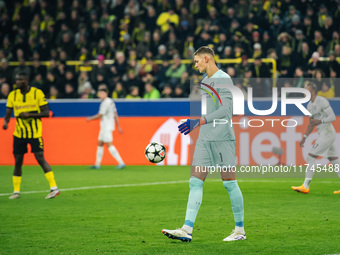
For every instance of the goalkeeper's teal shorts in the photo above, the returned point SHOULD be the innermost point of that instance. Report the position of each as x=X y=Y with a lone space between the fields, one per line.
x=214 y=153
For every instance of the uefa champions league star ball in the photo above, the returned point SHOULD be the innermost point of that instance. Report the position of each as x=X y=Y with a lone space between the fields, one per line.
x=155 y=152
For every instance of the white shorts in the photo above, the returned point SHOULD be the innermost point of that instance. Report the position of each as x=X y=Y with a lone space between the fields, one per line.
x=105 y=135
x=325 y=146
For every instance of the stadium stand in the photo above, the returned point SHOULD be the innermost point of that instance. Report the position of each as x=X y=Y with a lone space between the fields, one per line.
x=69 y=47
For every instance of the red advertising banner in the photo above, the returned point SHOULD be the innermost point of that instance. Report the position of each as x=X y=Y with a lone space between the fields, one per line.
x=73 y=141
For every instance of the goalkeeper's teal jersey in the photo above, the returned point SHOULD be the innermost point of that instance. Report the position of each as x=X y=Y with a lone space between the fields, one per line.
x=214 y=110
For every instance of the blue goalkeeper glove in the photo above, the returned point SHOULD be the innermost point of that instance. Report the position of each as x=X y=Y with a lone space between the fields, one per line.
x=186 y=127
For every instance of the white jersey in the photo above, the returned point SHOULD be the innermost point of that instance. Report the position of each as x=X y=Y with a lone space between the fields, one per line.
x=107 y=109
x=317 y=109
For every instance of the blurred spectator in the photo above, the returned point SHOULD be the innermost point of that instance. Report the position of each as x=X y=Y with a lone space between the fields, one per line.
x=143 y=45
x=299 y=77
x=260 y=84
x=315 y=64
x=337 y=50
x=148 y=67
x=100 y=78
x=5 y=72
x=4 y=90
x=53 y=93
x=333 y=64
x=180 y=92
x=167 y=91
x=119 y=91
x=175 y=71
x=83 y=80
x=334 y=41
x=242 y=67
x=132 y=80
x=52 y=80
x=70 y=91
x=151 y=18
x=173 y=45
x=257 y=50
x=38 y=82
x=326 y=90
x=276 y=27
x=88 y=91
x=70 y=79
x=21 y=68
x=286 y=60
x=134 y=93
x=119 y=67
x=303 y=57
x=161 y=78
x=162 y=53
x=297 y=41
x=167 y=18
x=100 y=68
x=318 y=40
x=150 y=92
x=38 y=69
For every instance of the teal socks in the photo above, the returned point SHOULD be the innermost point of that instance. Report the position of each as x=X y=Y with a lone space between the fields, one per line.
x=194 y=202
x=236 y=199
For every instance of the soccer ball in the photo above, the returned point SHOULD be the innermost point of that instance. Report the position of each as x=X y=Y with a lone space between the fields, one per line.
x=155 y=152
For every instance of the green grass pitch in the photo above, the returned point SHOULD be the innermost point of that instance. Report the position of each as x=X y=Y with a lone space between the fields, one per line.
x=109 y=217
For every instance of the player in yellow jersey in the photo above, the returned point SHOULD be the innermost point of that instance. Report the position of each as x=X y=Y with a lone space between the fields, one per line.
x=29 y=105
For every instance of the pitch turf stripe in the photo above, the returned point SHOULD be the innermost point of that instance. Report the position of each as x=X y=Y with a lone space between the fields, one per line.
x=147 y=184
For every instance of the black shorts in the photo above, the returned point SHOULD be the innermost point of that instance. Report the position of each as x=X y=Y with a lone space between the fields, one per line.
x=20 y=145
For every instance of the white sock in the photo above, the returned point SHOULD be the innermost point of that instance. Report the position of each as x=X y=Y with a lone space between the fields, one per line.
x=100 y=152
x=115 y=154
x=336 y=166
x=240 y=229
x=187 y=229
x=309 y=171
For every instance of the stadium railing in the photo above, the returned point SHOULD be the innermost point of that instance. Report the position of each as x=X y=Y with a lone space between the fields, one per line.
x=78 y=64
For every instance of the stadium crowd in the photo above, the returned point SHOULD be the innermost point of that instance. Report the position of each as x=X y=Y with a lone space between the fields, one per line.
x=136 y=33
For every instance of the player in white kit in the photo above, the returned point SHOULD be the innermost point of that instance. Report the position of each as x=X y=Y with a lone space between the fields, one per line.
x=108 y=116
x=322 y=117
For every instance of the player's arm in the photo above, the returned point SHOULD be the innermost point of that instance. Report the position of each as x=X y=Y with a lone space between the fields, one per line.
x=117 y=122
x=44 y=112
x=94 y=117
x=221 y=113
x=330 y=115
x=7 y=117
x=309 y=130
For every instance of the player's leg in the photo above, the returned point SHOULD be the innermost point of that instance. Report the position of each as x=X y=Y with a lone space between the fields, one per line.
x=38 y=150
x=17 y=175
x=320 y=147
x=196 y=182
x=99 y=153
x=224 y=156
x=332 y=156
x=19 y=150
x=115 y=154
x=198 y=174
x=310 y=169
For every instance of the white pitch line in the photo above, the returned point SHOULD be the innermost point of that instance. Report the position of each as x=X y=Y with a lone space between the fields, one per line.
x=101 y=187
x=146 y=184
